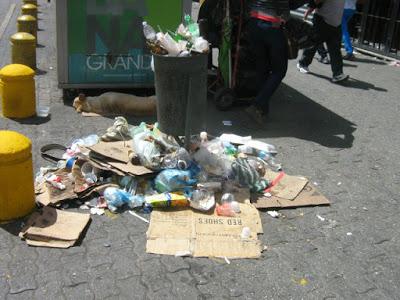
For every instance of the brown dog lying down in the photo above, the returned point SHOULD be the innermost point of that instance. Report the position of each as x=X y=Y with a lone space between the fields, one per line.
x=112 y=104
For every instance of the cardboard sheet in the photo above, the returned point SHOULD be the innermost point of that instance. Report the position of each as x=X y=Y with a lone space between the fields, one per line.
x=119 y=151
x=287 y=187
x=55 y=228
x=309 y=196
x=187 y=232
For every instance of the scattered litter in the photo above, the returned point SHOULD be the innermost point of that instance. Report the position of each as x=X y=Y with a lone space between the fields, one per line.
x=139 y=217
x=227 y=260
x=273 y=213
x=198 y=199
x=97 y=211
x=315 y=183
x=339 y=183
x=365 y=208
x=106 y=245
x=349 y=233
x=331 y=224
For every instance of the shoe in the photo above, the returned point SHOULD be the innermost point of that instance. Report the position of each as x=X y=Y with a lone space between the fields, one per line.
x=303 y=69
x=349 y=56
x=324 y=60
x=256 y=114
x=340 y=78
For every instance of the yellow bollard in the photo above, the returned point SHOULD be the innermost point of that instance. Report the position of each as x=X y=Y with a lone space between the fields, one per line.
x=23 y=49
x=34 y=2
x=17 y=194
x=29 y=9
x=27 y=23
x=17 y=91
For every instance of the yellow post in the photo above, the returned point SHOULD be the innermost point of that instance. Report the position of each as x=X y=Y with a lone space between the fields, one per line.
x=17 y=91
x=17 y=194
x=29 y=9
x=23 y=49
x=34 y=2
x=27 y=23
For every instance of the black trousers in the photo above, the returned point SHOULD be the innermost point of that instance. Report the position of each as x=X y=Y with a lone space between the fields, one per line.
x=333 y=38
x=269 y=46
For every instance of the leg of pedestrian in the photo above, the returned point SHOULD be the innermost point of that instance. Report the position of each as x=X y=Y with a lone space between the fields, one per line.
x=347 y=15
x=334 y=36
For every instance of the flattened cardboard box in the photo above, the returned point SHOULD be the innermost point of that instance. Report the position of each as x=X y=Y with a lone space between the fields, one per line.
x=187 y=232
x=54 y=228
x=309 y=196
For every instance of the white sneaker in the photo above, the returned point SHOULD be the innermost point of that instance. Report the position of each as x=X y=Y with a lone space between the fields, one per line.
x=302 y=69
x=339 y=78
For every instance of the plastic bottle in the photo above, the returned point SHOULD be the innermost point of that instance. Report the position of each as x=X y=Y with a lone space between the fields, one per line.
x=202 y=200
x=149 y=32
x=180 y=159
x=270 y=160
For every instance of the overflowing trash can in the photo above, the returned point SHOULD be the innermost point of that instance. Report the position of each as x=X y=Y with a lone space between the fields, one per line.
x=181 y=90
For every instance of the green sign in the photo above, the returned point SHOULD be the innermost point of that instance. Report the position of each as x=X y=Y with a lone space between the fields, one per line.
x=106 y=42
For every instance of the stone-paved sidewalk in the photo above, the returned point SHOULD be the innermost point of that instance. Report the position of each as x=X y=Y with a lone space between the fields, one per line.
x=343 y=138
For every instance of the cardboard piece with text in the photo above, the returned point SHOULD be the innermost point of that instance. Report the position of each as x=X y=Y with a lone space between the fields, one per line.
x=190 y=233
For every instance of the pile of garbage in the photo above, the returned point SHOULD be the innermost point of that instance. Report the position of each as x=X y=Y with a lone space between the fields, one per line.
x=185 y=41
x=193 y=194
x=140 y=167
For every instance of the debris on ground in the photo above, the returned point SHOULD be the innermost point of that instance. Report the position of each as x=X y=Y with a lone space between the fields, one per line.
x=202 y=200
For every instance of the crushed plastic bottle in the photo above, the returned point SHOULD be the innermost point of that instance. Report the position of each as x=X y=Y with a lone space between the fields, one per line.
x=202 y=200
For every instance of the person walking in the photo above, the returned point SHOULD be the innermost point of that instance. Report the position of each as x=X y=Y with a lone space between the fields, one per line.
x=327 y=23
x=270 y=49
x=349 y=11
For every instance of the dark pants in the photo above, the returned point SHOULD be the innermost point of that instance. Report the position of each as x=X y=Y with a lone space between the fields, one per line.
x=333 y=37
x=269 y=47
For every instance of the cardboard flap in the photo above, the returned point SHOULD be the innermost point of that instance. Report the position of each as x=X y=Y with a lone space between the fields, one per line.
x=309 y=196
x=286 y=187
x=119 y=151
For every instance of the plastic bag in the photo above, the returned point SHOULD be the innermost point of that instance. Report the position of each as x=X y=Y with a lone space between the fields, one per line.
x=117 y=198
x=172 y=180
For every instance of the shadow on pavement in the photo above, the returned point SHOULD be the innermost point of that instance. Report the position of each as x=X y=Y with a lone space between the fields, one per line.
x=40 y=72
x=292 y=115
x=368 y=61
x=33 y=120
x=353 y=83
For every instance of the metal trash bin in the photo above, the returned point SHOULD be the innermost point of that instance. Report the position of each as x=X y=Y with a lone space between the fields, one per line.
x=181 y=90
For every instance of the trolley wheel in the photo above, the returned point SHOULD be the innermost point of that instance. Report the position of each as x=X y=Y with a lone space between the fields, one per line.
x=224 y=98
